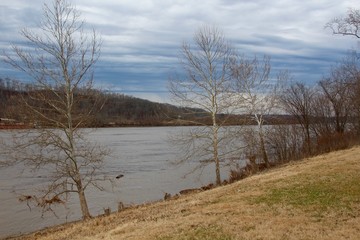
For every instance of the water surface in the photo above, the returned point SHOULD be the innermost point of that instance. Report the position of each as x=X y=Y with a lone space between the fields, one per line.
x=143 y=155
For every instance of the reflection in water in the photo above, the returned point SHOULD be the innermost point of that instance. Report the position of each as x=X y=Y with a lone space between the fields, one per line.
x=142 y=155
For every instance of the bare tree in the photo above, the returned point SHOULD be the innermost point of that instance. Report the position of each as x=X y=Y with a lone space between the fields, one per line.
x=348 y=72
x=336 y=89
x=335 y=107
x=286 y=142
x=349 y=25
x=59 y=59
x=297 y=101
x=257 y=92
x=206 y=85
x=323 y=113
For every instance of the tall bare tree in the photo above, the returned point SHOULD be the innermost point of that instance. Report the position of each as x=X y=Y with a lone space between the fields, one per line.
x=347 y=74
x=257 y=91
x=297 y=101
x=206 y=84
x=59 y=59
x=337 y=89
x=348 y=25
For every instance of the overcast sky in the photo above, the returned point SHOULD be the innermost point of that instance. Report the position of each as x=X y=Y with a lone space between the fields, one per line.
x=142 y=38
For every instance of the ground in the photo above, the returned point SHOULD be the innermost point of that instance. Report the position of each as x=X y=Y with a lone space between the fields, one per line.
x=315 y=198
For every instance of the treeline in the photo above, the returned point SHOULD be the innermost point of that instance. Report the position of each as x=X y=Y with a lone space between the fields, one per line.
x=123 y=110
x=326 y=117
x=8 y=89
x=116 y=110
x=112 y=110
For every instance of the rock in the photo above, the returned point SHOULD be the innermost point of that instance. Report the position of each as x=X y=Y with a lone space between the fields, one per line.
x=119 y=176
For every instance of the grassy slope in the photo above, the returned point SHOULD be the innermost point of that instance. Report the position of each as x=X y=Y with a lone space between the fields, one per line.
x=317 y=198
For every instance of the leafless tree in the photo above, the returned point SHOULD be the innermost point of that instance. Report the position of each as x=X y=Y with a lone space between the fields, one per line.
x=206 y=85
x=59 y=59
x=297 y=100
x=337 y=91
x=285 y=142
x=339 y=101
x=349 y=25
x=323 y=113
x=257 y=92
x=348 y=73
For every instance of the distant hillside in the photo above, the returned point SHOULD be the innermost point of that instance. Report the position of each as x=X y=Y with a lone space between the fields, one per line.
x=123 y=110
x=118 y=109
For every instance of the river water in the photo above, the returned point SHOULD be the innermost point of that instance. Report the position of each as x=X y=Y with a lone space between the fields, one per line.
x=143 y=155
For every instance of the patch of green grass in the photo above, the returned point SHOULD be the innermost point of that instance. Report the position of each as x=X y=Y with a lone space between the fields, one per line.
x=329 y=192
x=211 y=232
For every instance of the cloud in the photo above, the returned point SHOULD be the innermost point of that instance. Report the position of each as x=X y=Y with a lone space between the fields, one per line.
x=142 y=39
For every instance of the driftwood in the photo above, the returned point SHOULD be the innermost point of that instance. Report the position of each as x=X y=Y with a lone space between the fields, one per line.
x=191 y=190
x=42 y=201
x=53 y=200
x=208 y=187
x=119 y=176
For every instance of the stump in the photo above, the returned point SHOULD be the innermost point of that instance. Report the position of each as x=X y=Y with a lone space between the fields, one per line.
x=107 y=211
x=120 y=206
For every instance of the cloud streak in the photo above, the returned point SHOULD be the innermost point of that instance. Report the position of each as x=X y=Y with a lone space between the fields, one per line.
x=142 y=39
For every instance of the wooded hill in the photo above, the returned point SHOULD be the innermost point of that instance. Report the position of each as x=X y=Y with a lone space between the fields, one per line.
x=117 y=110
x=123 y=110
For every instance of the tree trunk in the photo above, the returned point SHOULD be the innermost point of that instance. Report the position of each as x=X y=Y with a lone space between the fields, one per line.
x=260 y=122
x=218 y=177
x=84 y=206
x=216 y=151
x=308 y=140
x=254 y=166
x=263 y=149
x=82 y=199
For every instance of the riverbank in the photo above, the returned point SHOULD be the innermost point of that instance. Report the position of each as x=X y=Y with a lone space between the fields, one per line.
x=14 y=127
x=317 y=198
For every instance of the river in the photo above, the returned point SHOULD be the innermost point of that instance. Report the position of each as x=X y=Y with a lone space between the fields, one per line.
x=143 y=155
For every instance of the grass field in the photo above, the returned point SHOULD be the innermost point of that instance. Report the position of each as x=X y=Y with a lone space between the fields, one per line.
x=316 y=198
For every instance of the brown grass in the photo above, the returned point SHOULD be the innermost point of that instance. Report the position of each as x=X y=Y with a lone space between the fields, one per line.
x=317 y=198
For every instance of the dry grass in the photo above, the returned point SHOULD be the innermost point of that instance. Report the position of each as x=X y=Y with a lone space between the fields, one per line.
x=317 y=198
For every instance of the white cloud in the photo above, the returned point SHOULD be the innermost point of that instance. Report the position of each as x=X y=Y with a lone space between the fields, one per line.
x=144 y=36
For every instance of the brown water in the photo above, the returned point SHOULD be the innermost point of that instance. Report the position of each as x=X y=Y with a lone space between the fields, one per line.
x=142 y=155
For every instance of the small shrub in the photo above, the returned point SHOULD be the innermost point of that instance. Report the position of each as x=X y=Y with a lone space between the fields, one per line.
x=334 y=142
x=239 y=173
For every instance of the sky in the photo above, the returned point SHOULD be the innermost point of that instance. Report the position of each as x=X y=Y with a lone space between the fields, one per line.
x=142 y=39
